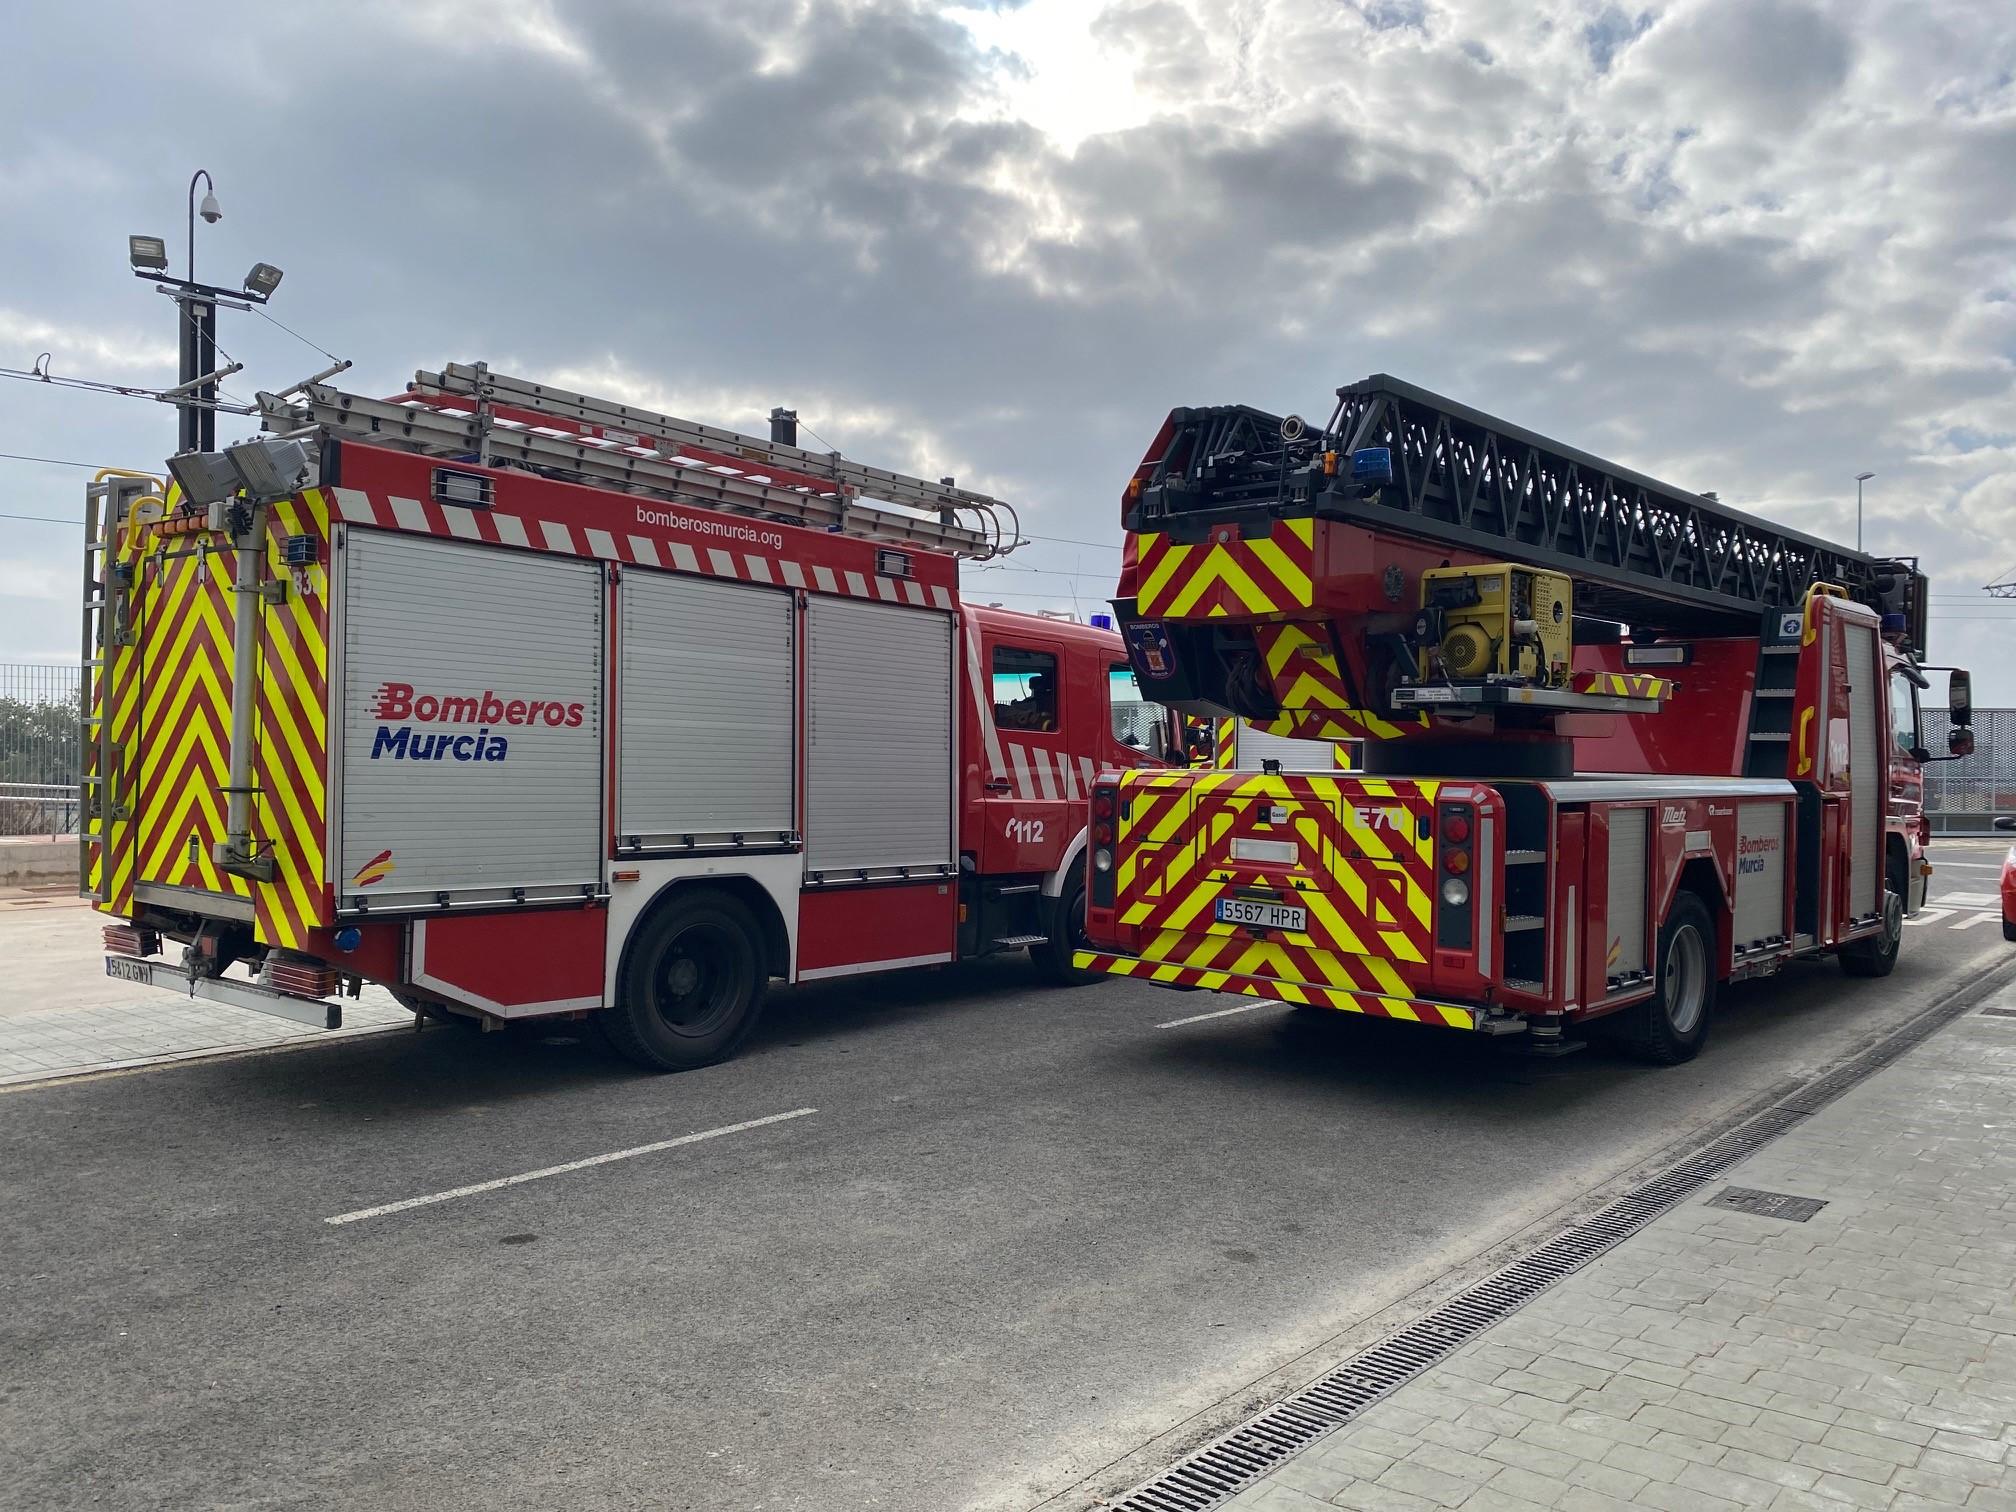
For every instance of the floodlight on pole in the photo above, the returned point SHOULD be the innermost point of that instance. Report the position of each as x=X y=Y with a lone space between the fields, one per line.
x=147 y=254
x=1860 y=479
x=262 y=280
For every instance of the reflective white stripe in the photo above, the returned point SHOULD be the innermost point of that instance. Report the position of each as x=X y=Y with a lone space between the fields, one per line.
x=1046 y=775
x=558 y=537
x=461 y=522
x=857 y=585
x=940 y=598
x=510 y=530
x=885 y=590
x=1024 y=788
x=722 y=563
x=683 y=556
x=914 y=591
x=603 y=544
x=759 y=570
x=983 y=706
x=408 y=513
x=859 y=967
x=823 y=576
x=354 y=504
x=794 y=575
x=644 y=549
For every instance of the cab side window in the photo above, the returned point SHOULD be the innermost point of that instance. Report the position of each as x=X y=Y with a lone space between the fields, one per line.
x=1025 y=689
x=1133 y=716
x=1903 y=713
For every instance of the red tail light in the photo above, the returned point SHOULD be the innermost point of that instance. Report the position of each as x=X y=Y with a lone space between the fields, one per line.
x=1456 y=829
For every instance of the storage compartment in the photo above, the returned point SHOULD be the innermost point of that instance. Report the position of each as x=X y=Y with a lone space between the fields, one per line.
x=1760 y=873
x=471 y=743
x=878 y=742
x=705 y=714
x=1625 y=953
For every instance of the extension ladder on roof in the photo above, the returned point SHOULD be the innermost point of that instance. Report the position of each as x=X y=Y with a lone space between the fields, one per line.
x=465 y=410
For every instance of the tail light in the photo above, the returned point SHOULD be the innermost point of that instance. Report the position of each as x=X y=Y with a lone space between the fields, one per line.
x=1455 y=921
x=300 y=976
x=1105 y=813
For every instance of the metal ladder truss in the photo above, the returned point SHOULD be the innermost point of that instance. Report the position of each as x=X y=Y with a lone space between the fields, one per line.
x=109 y=500
x=466 y=411
x=1640 y=551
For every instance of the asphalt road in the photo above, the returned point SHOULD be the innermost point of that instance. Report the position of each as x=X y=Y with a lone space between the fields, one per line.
x=1025 y=1232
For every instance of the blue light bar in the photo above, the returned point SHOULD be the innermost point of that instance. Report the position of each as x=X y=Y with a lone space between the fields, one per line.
x=1372 y=464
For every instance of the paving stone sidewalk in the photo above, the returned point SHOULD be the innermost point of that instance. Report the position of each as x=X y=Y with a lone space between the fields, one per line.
x=61 y=1016
x=1718 y=1360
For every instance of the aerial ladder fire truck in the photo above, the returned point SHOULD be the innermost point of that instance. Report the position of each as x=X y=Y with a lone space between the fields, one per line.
x=1619 y=743
x=525 y=703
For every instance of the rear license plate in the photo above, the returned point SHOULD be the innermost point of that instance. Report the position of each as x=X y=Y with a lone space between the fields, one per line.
x=127 y=971
x=1263 y=915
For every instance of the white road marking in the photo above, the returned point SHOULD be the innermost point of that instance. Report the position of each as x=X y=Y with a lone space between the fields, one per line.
x=1971 y=920
x=1929 y=916
x=561 y=1170
x=1967 y=866
x=1198 y=1018
x=1969 y=900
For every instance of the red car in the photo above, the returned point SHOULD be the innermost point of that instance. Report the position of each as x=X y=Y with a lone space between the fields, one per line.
x=2009 y=895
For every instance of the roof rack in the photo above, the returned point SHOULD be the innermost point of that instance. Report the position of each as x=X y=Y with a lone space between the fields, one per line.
x=467 y=411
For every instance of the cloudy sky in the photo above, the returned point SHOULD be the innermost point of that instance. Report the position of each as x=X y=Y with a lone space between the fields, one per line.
x=1756 y=246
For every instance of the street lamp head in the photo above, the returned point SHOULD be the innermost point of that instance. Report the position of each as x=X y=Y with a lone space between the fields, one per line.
x=210 y=210
x=263 y=280
x=1863 y=477
x=147 y=254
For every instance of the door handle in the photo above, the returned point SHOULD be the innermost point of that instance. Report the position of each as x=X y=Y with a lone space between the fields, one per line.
x=999 y=785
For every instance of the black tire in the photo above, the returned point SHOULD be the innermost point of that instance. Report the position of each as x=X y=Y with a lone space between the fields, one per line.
x=1672 y=1025
x=1877 y=955
x=2008 y=928
x=1067 y=934
x=692 y=984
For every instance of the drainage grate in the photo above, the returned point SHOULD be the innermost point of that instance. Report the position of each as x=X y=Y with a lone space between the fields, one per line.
x=1760 y=1204
x=1221 y=1469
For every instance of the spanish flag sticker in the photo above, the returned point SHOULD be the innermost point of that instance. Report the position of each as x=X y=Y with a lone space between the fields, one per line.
x=377 y=869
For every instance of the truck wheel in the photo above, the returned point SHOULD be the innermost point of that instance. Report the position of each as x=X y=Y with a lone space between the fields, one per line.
x=1067 y=934
x=691 y=986
x=1671 y=1026
x=1877 y=955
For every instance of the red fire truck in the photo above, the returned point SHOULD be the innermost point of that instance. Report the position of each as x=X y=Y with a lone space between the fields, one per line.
x=525 y=703
x=1619 y=743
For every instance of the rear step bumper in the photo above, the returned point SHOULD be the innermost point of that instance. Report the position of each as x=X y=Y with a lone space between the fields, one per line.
x=315 y=1012
x=1414 y=1010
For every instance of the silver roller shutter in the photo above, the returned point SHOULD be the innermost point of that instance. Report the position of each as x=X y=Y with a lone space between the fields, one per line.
x=878 y=740
x=704 y=711
x=1626 y=953
x=467 y=799
x=1865 y=812
x=1254 y=745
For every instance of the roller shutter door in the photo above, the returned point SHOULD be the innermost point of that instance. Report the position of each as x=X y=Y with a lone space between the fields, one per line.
x=471 y=755
x=1865 y=769
x=1255 y=745
x=1626 y=954
x=704 y=712
x=878 y=741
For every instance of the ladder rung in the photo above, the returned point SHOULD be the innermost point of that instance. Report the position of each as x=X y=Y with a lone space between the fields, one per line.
x=1774 y=736
x=1516 y=922
x=1776 y=692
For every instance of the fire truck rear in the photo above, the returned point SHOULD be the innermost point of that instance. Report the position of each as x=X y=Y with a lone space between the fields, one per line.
x=525 y=703
x=1619 y=743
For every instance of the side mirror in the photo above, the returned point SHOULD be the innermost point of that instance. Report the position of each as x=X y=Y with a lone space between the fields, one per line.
x=1960 y=698
x=1961 y=742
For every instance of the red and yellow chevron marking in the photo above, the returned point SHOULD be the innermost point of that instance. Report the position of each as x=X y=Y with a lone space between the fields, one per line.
x=115 y=699
x=1411 y=1009
x=1626 y=685
x=1226 y=577
x=1302 y=668
x=1364 y=871
x=292 y=736
x=170 y=694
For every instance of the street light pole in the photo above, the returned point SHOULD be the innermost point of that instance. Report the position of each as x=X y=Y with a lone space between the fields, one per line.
x=1860 y=479
x=196 y=428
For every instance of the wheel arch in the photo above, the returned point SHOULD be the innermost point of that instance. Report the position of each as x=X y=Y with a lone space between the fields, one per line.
x=1059 y=877
x=1699 y=876
x=746 y=890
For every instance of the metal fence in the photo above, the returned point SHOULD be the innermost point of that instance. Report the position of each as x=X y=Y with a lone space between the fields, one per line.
x=38 y=749
x=1967 y=794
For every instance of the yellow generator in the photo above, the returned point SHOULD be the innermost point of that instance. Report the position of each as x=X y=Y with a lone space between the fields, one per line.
x=1495 y=620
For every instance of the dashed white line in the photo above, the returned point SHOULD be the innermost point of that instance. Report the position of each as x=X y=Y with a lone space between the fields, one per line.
x=561 y=1170
x=1198 y=1018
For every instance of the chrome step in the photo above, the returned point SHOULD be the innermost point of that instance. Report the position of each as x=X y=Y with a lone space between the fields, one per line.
x=1016 y=942
x=1516 y=922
